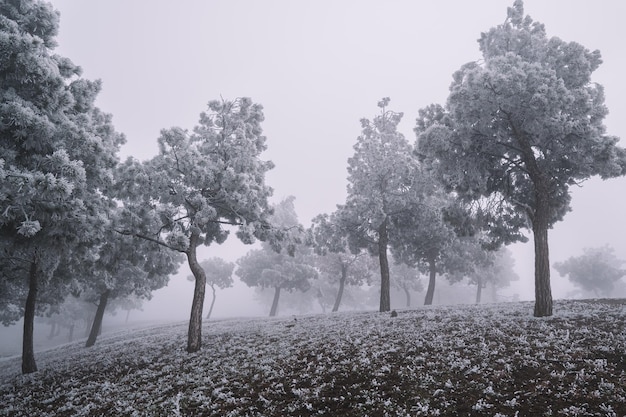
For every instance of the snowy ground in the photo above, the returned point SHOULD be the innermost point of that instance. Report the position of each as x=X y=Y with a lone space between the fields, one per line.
x=450 y=361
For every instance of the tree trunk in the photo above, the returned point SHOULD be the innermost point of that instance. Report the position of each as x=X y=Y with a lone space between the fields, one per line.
x=383 y=241
x=96 y=326
x=53 y=328
x=70 y=337
x=274 y=309
x=342 y=284
x=127 y=316
x=540 y=220
x=194 y=336
x=494 y=292
x=87 y=326
x=320 y=300
x=543 y=292
x=479 y=290
x=28 y=350
x=208 y=316
x=408 y=296
x=432 y=271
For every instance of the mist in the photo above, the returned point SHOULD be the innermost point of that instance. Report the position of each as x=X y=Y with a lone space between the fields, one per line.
x=318 y=68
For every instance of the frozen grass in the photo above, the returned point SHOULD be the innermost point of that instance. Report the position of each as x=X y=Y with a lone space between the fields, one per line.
x=449 y=361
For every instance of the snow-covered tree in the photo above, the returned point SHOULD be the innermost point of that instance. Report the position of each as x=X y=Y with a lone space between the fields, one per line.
x=380 y=174
x=405 y=278
x=56 y=155
x=219 y=273
x=125 y=267
x=424 y=237
x=523 y=125
x=200 y=186
x=596 y=271
x=491 y=268
x=336 y=263
x=267 y=268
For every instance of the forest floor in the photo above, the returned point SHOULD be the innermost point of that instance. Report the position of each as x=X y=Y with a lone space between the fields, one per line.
x=490 y=360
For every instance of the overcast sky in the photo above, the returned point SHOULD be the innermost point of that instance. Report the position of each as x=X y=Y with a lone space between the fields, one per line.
x=317 y=67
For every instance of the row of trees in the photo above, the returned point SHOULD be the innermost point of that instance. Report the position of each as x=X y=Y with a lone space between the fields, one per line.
x=595 y=273
x=324 y=262
x=519 y=128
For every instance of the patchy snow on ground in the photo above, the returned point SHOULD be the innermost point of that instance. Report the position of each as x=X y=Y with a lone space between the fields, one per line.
x=493 y=360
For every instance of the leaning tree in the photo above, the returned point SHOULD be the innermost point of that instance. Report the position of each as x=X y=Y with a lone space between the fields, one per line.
x=219 y=273
x=521 y=127
x=124 y=267
x=201 y=185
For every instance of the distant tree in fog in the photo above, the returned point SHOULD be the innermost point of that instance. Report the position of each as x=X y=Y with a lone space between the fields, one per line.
x=336 y=263
x=267 y=268
x=596 y=271
x=406 y=279
x=494 y=269
x=74 y=311
x=219 y=273
x=519 y=128
x=57 y=151
x=424 y=237
x=381 y=173
x=125 y=267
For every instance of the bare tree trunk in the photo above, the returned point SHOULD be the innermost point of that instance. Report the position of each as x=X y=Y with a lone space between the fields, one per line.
x=53 y=328
x=127 y=316
x=320 y=300
x=28 y=351
x=194 y=336
x=383 y=241
x=208 y=316
x=432 y=272
x=543 y=291
x=479 y=290
x=87 y=326
x=342 y=284
x=494 y=292
x=70 y=337
x=408 y=296
x=96 y=326
x=274 y=308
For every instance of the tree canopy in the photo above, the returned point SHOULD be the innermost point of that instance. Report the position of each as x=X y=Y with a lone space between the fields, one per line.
x=596 y=271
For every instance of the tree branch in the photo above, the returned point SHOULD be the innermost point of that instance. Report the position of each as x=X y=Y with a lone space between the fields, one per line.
x=150 y=239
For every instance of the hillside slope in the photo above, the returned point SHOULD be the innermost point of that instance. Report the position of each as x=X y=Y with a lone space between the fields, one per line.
x=493 y=360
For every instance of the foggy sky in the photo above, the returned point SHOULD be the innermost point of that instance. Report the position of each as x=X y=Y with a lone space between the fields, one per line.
x=317 y=67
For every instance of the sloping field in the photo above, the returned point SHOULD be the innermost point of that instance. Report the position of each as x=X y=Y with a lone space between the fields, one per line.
x=493 y=360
